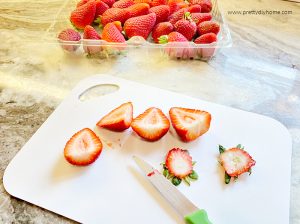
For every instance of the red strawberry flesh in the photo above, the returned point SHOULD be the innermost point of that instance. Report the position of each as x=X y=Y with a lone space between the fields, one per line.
x=118 y=119
x=151 y=125
x=189 y=123
x=83 y=148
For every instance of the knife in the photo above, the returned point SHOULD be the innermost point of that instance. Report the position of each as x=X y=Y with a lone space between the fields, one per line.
x=186 y=209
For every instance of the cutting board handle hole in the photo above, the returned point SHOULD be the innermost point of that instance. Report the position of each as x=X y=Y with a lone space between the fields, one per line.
x=98 y=90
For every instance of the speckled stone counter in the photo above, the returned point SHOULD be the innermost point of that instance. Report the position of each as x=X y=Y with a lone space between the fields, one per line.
x=259 y=73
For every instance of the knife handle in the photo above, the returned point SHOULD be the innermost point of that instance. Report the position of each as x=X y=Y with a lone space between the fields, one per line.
x=197 y=217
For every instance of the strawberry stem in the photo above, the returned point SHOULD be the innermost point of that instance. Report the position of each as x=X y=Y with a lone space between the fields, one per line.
x=187 y=16
x=163 y=39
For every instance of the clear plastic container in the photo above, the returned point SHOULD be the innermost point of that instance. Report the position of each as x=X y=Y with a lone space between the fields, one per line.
x=103 y=49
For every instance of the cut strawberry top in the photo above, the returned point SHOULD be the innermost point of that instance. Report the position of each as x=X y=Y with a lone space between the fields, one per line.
x=236 y=161
x=151 y=125
x=83 y=148
x=179 y=163
x=118 y=119
x=189 y=123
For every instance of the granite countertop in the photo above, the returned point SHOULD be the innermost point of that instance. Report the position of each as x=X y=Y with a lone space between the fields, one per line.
x=259 y=73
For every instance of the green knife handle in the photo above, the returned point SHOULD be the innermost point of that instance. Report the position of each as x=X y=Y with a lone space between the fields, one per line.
x=198 y=217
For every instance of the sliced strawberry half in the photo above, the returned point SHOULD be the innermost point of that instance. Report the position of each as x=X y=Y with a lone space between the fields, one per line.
x=151 y=125
x=189 y=123
x=83 y=148
x=236 y=161
x=118 y=119
x=179 y=163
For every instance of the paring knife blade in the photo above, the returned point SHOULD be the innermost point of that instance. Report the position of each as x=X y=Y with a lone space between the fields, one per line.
x=190 y=213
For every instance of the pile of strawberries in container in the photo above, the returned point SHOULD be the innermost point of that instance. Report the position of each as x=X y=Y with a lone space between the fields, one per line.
x=178 y=24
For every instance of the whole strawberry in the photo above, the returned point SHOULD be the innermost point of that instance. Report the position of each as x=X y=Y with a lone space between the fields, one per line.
x=158 y=2
x=101 y=7
x=172 y=37
x=208 y=27
x=206 y=38
x=176 y=5
x=140 y=26
x=83 y=15
x=186 y=27
x=122 y=4
x=138 y=9
x=162 y=13
x=177 y=16
x=90 y=46
x=112 y=32
x=161 y=29
x=175 y=49
x=194 y=8
x=114 y=14
x=69 y=35
x=201 y=17
x=206 y=5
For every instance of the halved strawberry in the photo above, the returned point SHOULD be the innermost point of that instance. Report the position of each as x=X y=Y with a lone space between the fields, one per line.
x=83 y=148
x=151 y=125
x=119 y=119
x=236 y=161
x=179 y=163
x=189 y=123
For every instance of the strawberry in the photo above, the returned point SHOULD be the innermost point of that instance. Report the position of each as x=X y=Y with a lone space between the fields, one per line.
x=140 y=26
x=151 y=125
x=194 y=9
x=179 y=163
x=176 y=5
x=158 y=2
x=123 y=4
x=138 y=9
x=206 y=5
x=69 y=35
x=109 y=2
x=161 y=29
x=162 y=13
x=114 y=14
x=201 y=17
x=206 y=38
x=89 y=32
x=177 y=16
x=83 y=148
x=235 y=161
x=82 y=2
x=120 y=118
x=186 y=26
x=172 y=37
x=208 y=27
x=83 y=15
x=189 y=123
x=112 y=33
x=101 y=7
x=90 y=47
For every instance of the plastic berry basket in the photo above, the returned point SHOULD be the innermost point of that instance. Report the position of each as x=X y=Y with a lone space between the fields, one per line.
x=103 y=49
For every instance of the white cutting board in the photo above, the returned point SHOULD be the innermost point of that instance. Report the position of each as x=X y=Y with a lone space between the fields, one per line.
x=113 y=190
